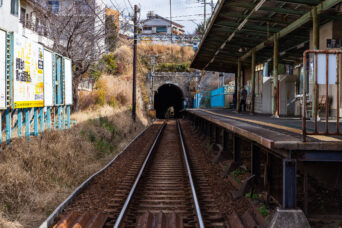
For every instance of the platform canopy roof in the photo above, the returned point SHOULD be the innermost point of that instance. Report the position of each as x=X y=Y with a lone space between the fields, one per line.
x=239 y=26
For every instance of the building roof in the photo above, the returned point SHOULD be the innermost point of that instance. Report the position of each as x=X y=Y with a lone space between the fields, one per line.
x=238 y=27
x=153 y=21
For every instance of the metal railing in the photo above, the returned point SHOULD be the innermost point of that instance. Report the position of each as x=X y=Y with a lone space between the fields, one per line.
x=325 y=70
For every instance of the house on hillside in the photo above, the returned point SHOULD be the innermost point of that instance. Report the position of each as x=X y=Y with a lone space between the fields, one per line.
x=157 y=25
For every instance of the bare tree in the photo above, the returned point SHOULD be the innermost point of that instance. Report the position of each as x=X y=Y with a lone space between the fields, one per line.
x=79 y=31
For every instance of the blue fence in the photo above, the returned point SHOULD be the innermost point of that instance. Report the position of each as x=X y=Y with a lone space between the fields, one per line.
x=32 y=121
x=218 y=98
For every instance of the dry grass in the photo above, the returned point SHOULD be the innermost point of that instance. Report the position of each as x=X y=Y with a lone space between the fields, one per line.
x=110 y=90
x=124 y=57
x=37 y=176
x=179 y=54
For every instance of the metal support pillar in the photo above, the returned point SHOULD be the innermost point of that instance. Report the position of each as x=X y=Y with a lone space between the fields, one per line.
x=217 y=134
x=59 y=113
x=267 y=176
x=27 y=124
x=225 y=142
x=35 y=122
x=205 y=127
x=275 y=76
x=305 y=188
x=202 y=126
x=8 y=126
x=315 y=29
x=48 y=117
x=253 y=83
x=315 y=38
x=63 y=117
x=210 y=132
x=68 y=117
x=0 y=128
x=255 y=161
x=42 y=120
x=289 y=184
x=238 y=92
x=236 y=148
x=20 y=123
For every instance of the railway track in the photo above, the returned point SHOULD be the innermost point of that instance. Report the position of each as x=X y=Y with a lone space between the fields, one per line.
x=157 y=191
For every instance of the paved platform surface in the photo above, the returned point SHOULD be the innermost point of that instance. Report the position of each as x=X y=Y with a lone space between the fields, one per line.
x=272 y=133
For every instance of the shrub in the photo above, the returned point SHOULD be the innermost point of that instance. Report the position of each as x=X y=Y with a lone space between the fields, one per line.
x=100 y=97
x=113 y=102
x=121 y=98
x=95 y=72
x=101 y=89
x=172 y=67
x=109 y=62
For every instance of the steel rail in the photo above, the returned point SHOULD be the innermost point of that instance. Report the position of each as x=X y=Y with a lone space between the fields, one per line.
x=193 y=190
x=137 y=180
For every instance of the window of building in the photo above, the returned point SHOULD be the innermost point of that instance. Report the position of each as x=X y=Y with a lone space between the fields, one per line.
x=147 y=28
x=22 y=15
x=161 y=29
x=82 y=6
x=54 y=6
x=14 y=7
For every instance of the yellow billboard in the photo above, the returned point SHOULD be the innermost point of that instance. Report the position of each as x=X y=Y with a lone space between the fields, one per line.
x=28 y=77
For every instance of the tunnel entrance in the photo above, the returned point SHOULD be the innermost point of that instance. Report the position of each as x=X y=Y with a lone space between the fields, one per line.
x=168 y=95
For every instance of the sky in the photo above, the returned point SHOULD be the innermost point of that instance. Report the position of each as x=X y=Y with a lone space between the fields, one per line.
x=188 y=13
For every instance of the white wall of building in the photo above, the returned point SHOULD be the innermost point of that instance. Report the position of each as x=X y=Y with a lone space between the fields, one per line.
x=11 y=23
x=8 y=21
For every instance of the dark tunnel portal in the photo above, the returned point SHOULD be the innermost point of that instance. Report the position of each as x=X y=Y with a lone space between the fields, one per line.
x=166 y=96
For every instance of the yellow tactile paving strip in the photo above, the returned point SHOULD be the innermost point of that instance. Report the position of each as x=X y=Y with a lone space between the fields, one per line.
x=289 y=129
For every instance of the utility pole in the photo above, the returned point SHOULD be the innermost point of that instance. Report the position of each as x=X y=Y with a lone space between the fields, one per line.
x=212 y=7
x=153 y=63
x=136 y=10
x=205 y=15
x=171 y=26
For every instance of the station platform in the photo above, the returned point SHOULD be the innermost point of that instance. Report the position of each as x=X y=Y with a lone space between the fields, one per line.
x=280 y=135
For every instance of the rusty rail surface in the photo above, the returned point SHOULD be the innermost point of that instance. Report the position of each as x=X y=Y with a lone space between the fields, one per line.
x=315 y=97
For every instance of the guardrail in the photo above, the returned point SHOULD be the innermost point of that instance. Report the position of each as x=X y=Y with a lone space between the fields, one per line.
x=326 y=72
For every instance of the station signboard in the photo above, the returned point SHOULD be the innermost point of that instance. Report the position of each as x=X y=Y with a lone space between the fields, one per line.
x=28 y=75
x=3 y=69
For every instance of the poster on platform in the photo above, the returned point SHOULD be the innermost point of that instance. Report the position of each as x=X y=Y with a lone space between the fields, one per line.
x=2 y=69
x=48 y=79
x=28 y=77
x=68 y=81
